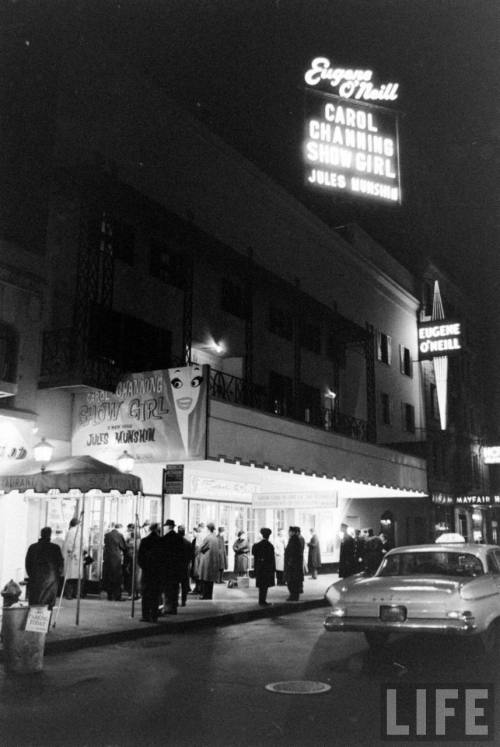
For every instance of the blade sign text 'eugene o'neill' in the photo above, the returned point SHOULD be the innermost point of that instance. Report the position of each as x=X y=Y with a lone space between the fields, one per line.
x=351 y=139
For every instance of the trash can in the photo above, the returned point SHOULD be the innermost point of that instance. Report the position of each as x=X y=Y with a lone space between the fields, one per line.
x=22 y=649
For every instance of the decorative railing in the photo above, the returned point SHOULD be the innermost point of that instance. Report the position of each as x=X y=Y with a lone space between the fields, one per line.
x=239 y=392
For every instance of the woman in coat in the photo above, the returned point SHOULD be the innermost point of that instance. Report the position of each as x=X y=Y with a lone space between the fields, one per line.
x=71 y=554
x=209 y=563
x=294 y=564
x=279 y=556
x=241 y=550
x=264 y=565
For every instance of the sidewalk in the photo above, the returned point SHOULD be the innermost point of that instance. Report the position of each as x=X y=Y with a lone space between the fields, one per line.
x=102 y=622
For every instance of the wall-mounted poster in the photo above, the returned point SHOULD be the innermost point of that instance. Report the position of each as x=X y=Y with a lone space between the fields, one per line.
x=153 y=415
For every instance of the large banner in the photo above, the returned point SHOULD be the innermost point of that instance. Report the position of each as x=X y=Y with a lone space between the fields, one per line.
x=156 y=416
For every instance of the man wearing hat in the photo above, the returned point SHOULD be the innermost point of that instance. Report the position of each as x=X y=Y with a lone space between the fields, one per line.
x=264 y=565
x=172 y=556
x=150 y=560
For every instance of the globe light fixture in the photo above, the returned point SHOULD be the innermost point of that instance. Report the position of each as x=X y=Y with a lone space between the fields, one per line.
x=42 y=452
x=126 y=462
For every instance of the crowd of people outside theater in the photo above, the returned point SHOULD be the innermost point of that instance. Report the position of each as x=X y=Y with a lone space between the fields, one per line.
x=164 y=565
x=362 y=551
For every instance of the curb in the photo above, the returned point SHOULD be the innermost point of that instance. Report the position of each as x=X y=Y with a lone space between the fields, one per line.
x=171 y=627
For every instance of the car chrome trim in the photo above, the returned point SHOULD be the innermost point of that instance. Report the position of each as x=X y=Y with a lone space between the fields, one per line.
x=361 y=625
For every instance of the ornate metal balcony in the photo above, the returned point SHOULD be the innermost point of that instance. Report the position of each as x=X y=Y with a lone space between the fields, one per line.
x=237 y=391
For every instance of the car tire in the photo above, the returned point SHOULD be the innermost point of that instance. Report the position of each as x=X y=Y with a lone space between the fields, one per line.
x=376 y=640
x=490 y=639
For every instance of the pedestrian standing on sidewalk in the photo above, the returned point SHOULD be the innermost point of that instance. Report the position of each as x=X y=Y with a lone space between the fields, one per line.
x=209 y=565
x=44 y=565
x=71 y=555
x=59 y=540
x=347 y=564
x=149 y=559
x=115 y=550
x=199 y=534
x=313 y=555
x=279 y=556
x=222 y=554
x=187 y=559
x=264 y=565
x=294 y=564
x=241 y=550
x=172 y=550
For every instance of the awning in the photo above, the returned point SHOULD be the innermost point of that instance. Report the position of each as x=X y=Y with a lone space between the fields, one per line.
x=82 y=473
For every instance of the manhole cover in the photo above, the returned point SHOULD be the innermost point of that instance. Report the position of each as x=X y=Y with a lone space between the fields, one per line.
x=298 y=687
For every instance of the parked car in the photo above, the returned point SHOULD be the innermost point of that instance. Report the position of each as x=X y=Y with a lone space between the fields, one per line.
x=451 y=589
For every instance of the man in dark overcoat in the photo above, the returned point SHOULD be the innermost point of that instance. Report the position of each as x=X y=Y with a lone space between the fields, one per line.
x=187 y=561
x=294 y=564
x=149 y=558
x=359 y=551
x=374 y=552
x=264 y=565
x=347 y=566
x=115 y=549
x=44 y=566
x=172 y=556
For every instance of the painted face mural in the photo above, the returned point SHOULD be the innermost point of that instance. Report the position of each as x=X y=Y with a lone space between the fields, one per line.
x=186 y=384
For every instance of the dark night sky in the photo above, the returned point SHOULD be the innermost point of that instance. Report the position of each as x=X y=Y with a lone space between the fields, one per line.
x=239 y=65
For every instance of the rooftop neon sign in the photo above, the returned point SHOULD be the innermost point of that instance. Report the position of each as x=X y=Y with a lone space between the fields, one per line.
x=350 y=83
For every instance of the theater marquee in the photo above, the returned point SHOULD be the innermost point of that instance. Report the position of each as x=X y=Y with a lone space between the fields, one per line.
x=350 y=143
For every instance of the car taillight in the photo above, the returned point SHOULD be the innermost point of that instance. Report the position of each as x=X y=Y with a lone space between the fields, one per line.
x=465 y=615
x=338 y=611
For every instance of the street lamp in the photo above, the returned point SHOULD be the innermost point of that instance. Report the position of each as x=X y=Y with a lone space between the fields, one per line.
x=126 y=462
x=42 y=452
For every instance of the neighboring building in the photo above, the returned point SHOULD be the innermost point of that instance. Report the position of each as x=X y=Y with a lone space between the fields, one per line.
x=157 y=245
x=458 y=477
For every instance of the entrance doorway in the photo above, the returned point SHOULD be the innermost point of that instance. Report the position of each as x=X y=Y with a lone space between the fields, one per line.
x=234 y=517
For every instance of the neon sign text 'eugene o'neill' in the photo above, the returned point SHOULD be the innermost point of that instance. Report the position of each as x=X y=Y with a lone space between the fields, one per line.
x=355 y=84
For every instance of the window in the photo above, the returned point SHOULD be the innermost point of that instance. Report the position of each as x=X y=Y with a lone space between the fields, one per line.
x=310 y=337
x=127 y=342
x=280 y=322
x=233 y=299
x=408 y=418
x=405 y=365
x=384 y=348
x=335 y=350
x=166 y=263
x=310 y=404
x=114 y=236
x=386 y=407
x=281 y=394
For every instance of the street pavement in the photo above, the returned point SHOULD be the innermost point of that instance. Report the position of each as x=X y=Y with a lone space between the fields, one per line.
x=101 y=622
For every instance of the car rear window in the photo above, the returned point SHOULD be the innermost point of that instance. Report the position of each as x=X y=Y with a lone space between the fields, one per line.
x=432 y=563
